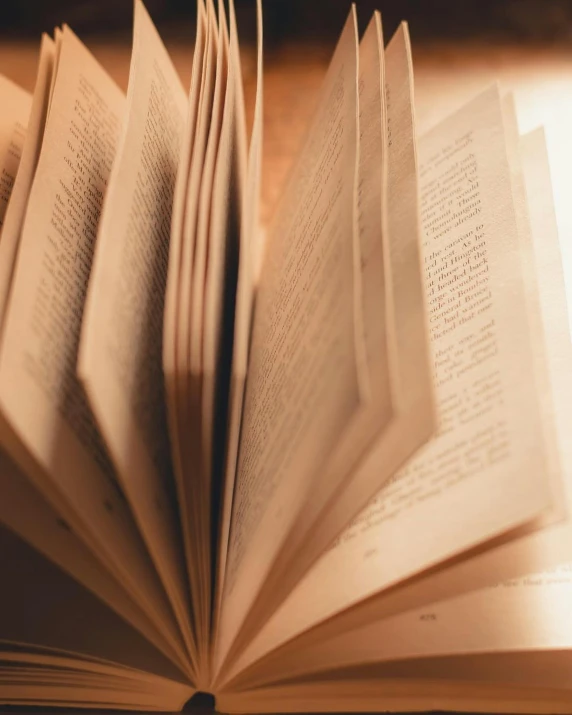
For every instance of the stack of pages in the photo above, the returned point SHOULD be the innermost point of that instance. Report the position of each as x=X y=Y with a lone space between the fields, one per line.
x=321 y=466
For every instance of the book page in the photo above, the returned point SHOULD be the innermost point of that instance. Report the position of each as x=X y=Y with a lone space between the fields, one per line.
x=544 y=594
x=373 y=693
x=67 y=618
x=58 y=36
x=40 y=396
x=25 y=512
x=519 y=150
x=204 y=247
x=304 y=382
x=14 y=217
x=487 y=438
x=242 y=183
x=412 y=404
x=120 y=353
x=374 y=217
x=515 y=632
x=538 y=550
x=220 y=290
x=202 y=375
x=173 y=379
x=188 y=387
x=16 y=104
x=519 y=632
x=530 y=613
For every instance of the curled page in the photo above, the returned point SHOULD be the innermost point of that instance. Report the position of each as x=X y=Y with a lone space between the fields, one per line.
x=489 y=465
x=120 y=355
x=13 y=122
x=188 y=384
x=202 y=373
x=338 y=494
x=42 y=402
x=174 y=381
x=244 y=193
x=14 y=217
x=304 y=382
x=500 y=621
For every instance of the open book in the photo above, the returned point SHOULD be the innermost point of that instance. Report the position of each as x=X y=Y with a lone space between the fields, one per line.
x=320 y=465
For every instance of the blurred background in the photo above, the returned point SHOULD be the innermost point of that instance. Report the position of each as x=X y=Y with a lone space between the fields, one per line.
x=522 y=20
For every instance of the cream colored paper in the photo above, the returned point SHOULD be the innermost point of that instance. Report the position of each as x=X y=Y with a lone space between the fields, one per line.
x=205 y=246
x=532 y=612
x=300 y=549
x=245 y=187
x=58 y=36
x=15 y=212
x=119 y=361
x=203 y=408
x=414 y=419
x=188 y=389
x=27 y=514
x=173 y=378
x=40 y=397
x=538 y=550
x=70 y=618
x=16 y=104
x=398 y=694
x=303 y=382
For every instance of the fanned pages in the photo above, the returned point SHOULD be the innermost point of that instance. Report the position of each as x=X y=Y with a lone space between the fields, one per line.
x=317 y=465
x=300 y=302
x=25 y=512
x=202 y=376
x=54 y=629
x=55 y=437
x=244 y=187
x=120 y=350
x=463 y=431
x=174 y=378
x=189 y=394
x=500 y=645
